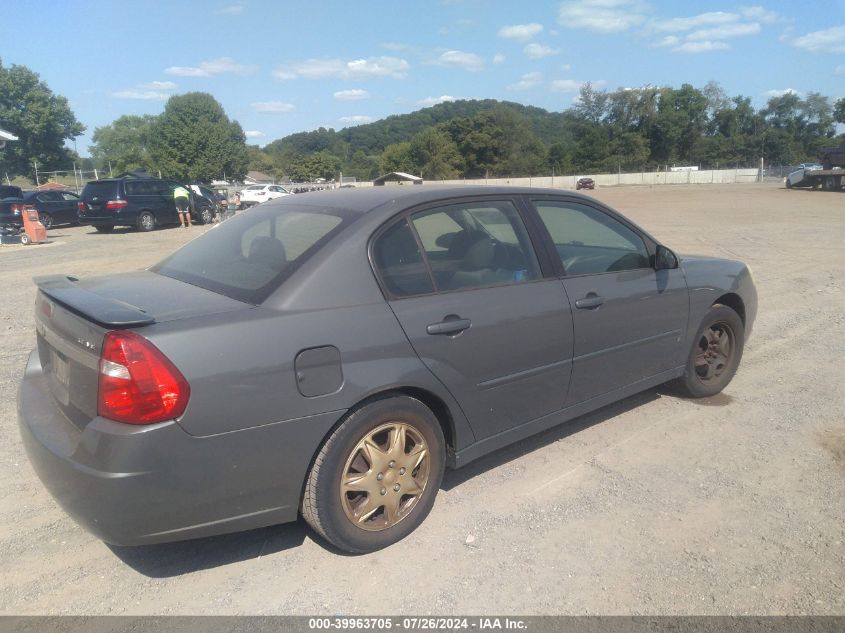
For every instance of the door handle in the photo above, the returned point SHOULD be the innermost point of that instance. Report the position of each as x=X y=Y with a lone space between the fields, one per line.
x=591 y=301
x=453 y=325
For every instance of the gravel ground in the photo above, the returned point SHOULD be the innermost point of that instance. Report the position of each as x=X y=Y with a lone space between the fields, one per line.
x=654 y=505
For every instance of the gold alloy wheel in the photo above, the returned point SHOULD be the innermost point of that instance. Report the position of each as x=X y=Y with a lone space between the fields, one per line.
x=384 y=476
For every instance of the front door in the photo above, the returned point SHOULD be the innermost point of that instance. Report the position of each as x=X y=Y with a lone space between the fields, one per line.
x=629 y=319
x=466 y=287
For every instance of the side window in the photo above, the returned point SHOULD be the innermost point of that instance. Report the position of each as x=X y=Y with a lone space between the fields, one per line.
x=45 y=197
x=69 y=197
x=399 y=262
x=471 y=245
x=589 y=241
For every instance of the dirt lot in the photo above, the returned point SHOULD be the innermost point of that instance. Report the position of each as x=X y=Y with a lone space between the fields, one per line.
x=655 y=505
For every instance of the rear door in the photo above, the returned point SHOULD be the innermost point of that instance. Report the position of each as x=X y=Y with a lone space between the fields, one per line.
x=464 y=281
x=629 y=319
x=69 y=206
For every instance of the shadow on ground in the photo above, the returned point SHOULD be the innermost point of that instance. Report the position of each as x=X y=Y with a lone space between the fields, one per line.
x=175 y=559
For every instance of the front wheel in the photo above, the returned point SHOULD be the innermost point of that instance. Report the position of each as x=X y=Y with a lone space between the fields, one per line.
x=375 y=479
x=146 y=221
x=715 y=354
x=46 y=220
x=207 y=216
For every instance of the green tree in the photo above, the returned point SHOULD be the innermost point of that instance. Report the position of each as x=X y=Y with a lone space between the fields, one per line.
x=397 y=157
x=124 y=144
x=320 y=165
x=41 y=120
x=193 y=139
x=435 y=154
x=839 y=111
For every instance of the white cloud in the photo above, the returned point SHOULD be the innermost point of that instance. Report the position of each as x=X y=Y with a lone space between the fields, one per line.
x=430 y=101
x=830 y=40
x=352 y=95
x=566 y=67
x=539 y=51
x=663 y=25
x=571 y=85
x=140 y=95
x=602 y=16
x=354 y=69
x=780 y=93
x=667 y=40
x=760 y=14
x=211 y=68
x=232 y=9
x=150 y=91
x=498 y=58
x=253 y=133
x=704 y=46
x=357 y=119
x=724 y=32
x=158 y=85
x=520 y=32
x=527 y=81
x=460 y=59
x=272 y=106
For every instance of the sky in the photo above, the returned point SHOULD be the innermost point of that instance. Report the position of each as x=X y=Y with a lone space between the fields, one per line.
x=284 y=67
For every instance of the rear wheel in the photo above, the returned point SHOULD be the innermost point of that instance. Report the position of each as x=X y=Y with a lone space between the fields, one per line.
x=207 y=216
x=375 y=479
x=46 y=219
x=715 y=354
x=104 y=228
x=146 y=221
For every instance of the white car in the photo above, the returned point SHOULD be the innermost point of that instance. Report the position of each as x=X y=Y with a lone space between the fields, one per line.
x=255 y=194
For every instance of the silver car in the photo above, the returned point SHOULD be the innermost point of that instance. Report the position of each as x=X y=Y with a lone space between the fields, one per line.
x=328 y=356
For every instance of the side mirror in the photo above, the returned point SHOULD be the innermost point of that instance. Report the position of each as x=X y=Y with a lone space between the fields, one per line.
x=664 y=259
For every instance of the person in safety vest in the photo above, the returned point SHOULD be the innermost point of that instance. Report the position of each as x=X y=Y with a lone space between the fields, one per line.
x=180 y=197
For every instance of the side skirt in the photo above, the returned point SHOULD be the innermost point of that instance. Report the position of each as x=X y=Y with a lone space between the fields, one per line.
x=506 y=438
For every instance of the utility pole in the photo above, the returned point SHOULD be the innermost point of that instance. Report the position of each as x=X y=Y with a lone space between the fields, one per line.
x=35 y=162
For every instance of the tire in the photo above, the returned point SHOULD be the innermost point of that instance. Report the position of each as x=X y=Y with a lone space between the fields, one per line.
x=104 y=228
x=25 y=239
x=207 y=216
x=146 y=221
x=788 y=184
x=715 y=354
x=371 y=510
x=46 y=219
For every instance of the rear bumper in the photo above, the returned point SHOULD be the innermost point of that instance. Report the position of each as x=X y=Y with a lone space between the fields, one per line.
x=133 y=485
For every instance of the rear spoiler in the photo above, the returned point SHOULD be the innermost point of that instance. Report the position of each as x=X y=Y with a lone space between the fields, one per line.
x=102 y=310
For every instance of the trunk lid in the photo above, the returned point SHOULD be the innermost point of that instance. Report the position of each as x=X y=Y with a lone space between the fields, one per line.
x=72 y=318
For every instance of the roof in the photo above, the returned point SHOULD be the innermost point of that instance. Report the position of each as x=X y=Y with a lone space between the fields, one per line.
x=397 y=175
x=52 y=186
x=7 y=136
x=391 y=199
x=259 y=177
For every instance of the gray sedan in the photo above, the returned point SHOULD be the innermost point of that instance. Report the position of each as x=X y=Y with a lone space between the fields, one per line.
x=329 y=355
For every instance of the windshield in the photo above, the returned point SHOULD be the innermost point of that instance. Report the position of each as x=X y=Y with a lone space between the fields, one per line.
x=249 y=256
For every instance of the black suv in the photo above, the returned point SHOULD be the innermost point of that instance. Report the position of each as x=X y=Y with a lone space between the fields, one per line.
x=831 y=157
x=144 y=203
x=10 y=191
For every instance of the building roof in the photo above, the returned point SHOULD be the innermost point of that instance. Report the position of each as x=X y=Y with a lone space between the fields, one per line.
x=397 y=175
x=7 y=136
x=258 y=177
x=52 y=186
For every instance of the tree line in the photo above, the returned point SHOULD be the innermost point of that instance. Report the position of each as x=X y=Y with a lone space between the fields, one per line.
x=603 y=131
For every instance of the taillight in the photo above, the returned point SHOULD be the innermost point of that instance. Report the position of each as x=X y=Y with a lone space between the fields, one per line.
x=116 y=204
x=80 y=205
x=137 y=383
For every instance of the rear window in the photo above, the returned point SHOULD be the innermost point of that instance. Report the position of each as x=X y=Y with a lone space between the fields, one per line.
x=249 y=256
x=102 y=190
x=10 y=191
